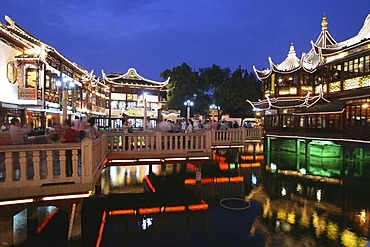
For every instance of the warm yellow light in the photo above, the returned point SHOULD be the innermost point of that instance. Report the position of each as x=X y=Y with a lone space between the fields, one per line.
x=3 y=203
x=50 y=198
x=199 y=158
x=362 y=216
x=150 y=160
x=173 y=159
x=122 y=161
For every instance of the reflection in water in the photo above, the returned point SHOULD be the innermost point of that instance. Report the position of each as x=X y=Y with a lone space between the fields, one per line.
x=323 y=206
x=314 y=202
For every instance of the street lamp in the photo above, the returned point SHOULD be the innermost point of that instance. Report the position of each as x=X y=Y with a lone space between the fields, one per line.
x=214 y=107
x=64 y=84
x=145 y=115
x=188 y=103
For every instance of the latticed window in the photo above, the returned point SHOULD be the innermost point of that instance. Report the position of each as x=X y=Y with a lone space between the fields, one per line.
x=31 y=77
x=334 y=87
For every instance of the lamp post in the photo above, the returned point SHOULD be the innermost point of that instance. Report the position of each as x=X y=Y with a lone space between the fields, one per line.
x=64 y=84
x=188 y=103
x=214 y=107
x=145 y=115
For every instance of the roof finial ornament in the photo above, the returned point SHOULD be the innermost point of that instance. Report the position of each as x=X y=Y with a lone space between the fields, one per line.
x=324 y=23
x=292 y=52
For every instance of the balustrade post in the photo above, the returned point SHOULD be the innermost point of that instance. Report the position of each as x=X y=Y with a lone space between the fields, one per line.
x=158 y=141
x=244 y=134
x=87 y=158
x=208 y=144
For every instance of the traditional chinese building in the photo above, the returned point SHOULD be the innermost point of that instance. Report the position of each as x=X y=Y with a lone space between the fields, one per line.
x=323 y=94
x=37 y=81
x=133 y=98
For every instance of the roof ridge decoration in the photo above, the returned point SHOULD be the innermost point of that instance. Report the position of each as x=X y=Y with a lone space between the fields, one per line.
x=305 y=101
x=131 y=74
x=36 y=46
x=309 y=61
x=94 y=81
x=292 y=62
x=15 y=27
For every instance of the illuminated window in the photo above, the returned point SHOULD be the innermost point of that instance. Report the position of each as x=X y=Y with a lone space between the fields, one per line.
x=367 y=64
x=345 y=69
x=361 y=66
x=334 y=87
x=350 y=67
x=31 y=77
x=47 y=79
x=351 y=84
x=355 y=66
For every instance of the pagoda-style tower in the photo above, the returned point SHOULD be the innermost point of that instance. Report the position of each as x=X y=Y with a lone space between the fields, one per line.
x=324 y=93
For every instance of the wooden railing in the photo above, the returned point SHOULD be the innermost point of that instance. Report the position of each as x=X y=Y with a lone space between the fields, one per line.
x=51 y=169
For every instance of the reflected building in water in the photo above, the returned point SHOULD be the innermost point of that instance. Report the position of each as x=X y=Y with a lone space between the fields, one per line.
x=296 y=201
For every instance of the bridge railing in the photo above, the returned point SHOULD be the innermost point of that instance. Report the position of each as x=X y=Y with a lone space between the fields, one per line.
x=235 y=136
x=44 y=169
x=51 y=169
x=158 y=142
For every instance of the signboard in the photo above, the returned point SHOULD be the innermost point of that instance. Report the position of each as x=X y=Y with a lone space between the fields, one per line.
x=27 y=93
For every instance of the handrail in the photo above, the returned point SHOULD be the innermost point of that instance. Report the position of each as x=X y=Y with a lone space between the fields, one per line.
x=73 y=167
x=49 y=169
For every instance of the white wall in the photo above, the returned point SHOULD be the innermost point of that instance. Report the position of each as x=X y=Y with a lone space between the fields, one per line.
x=9 y=91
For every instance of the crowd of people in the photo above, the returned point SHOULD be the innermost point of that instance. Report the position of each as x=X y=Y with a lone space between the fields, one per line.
x=181 y=125
x=69 y=132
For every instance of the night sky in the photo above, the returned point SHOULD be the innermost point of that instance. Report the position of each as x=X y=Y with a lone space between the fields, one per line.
x=152 y=36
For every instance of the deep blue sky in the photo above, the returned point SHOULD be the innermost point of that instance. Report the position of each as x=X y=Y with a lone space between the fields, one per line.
x=154 y=35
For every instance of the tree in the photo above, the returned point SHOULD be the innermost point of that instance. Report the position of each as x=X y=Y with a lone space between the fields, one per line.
x=212 y=85
x=183 y=85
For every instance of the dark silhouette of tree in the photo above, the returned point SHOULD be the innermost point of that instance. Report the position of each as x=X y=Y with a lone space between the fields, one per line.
x=212 y=85
x=183 y=85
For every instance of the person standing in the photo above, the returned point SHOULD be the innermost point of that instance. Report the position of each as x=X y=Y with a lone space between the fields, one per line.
x=190 y=127
x=18 y=132
x=79 y=127
x=69 y=136
x=18 y=135
x=90 y=131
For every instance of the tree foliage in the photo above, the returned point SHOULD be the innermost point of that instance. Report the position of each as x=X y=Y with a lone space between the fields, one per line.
x=212 y=85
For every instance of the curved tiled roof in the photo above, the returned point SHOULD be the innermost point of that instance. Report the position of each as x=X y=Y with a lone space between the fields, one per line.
x=363 y=34
x=291 y=63
x=288 y=102
x=132 y=78
x=324 y=45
